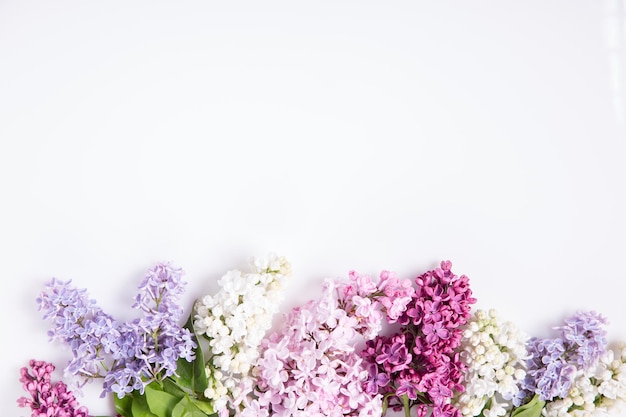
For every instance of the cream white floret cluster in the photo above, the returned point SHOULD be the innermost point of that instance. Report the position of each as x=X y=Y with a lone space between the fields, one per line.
x=494 y=352
x=597 y=392
x=234 y=321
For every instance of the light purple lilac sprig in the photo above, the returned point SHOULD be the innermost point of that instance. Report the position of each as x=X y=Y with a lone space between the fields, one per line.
x=78 y=322
x=150 y=346
x=127 y=355
x=48 y=398
x=585 y=336
x=554 y=362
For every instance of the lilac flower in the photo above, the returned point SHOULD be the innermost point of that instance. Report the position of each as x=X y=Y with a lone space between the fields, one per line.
x=376 y=379
x=435 y=331
x=129 y=355
x=583 y=332
x=310 y=367
x=446 y=410
x=161 y=340
x=430 y=334
x=149 y=347
x=549 y=374
x=47 y=398
x=406 y=387
x=393 y=355
x=160 y=291
x=80 y=324
x=495 y=353
x=234 y=322
x=599 y=391
x=554 y=363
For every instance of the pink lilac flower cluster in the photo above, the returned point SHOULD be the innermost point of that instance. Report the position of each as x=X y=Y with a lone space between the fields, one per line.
x=419 y=366
x=311 y=368
x=126 y=355
x=48 y=398
x=369 y=303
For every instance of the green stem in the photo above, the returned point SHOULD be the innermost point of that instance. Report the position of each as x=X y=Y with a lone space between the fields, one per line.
x=406 y=405
x=386 y=401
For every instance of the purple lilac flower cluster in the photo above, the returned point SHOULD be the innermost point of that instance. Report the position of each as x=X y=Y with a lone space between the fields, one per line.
x=554 y=362
x=311 y=367
x=48 y=398
x=150 y=346
x=80 y=324
x=128 y=355
x=420 y=364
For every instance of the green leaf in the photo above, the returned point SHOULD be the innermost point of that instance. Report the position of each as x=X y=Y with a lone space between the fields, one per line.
x=140 y=407
x=123 y=405
x=530 y=409
x=192 y=375
x=186 y=408
x=170 y=386
x=159 y=402
x=205 y=406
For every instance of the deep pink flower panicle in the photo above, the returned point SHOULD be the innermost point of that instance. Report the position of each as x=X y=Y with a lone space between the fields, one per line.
x=48 y=399
x=430 y=334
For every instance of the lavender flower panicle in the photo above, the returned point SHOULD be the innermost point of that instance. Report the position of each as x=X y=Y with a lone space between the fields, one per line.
x=554 y=363
x=160 y=291
x=584 y=336
x=80 y=324
x=549 y=373
x=128 y=355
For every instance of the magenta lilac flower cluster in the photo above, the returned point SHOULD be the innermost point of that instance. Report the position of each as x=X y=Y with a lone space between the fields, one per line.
x=361 y=348
x=48 y=398
x=420 y=365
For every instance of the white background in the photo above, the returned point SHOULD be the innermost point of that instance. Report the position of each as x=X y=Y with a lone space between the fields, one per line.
x=341 y=134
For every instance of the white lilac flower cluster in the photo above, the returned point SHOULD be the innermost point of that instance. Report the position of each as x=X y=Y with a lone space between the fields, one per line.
x=234 y=322
x=595 y=392
x=494 y=351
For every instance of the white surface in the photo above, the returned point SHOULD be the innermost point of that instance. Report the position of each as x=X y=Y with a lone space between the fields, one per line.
x=344 y=135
